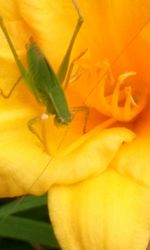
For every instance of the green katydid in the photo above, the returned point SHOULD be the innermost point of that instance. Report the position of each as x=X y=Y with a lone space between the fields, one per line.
x=41 y=79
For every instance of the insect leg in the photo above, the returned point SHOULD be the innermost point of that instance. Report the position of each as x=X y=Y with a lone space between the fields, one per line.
x=62 y=71
x=68 y=76
x=11 y=90
x=86 y=111
x=17 y=60
x=35 y=120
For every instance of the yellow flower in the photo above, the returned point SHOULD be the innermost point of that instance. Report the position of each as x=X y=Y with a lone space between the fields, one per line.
x=99 y=195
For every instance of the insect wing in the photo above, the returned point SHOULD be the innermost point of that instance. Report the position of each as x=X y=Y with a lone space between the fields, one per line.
x=45 y=86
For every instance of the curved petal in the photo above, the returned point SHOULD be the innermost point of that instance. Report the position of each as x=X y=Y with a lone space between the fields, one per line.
x=38 y=170
x=108 y=211
x=134 y=159
x=88 y=156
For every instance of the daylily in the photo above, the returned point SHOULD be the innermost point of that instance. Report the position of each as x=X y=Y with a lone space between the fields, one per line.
x=99 y=182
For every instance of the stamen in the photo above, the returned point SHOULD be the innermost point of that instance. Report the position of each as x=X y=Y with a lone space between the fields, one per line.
x=124 y=76
x=128 y=103
x=119 y=105
x=128 y=91
x=71 y=78
x=112 y=97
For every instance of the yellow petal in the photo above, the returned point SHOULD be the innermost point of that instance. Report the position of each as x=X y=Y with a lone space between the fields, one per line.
x=120 y=31
x=26 y=168
x=8 y=10
x=104 y=212
x=88 y=156
x=19 y=34
x=22 y=159
x=134 y=159
x=46 y=22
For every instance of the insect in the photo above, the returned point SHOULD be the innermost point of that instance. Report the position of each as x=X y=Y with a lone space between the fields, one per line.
x=41 y=79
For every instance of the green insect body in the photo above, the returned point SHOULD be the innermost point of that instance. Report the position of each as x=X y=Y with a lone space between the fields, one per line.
x=43 y=82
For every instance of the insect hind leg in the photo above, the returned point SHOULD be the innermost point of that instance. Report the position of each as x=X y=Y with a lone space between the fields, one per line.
x=63 y=68
x=35 y=120
x=12 y=48
x=71 y=67
x=6 y=96
x=86 y=111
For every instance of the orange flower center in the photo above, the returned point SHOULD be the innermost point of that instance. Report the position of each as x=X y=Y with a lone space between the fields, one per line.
x=121 y=104
x=115 y=98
